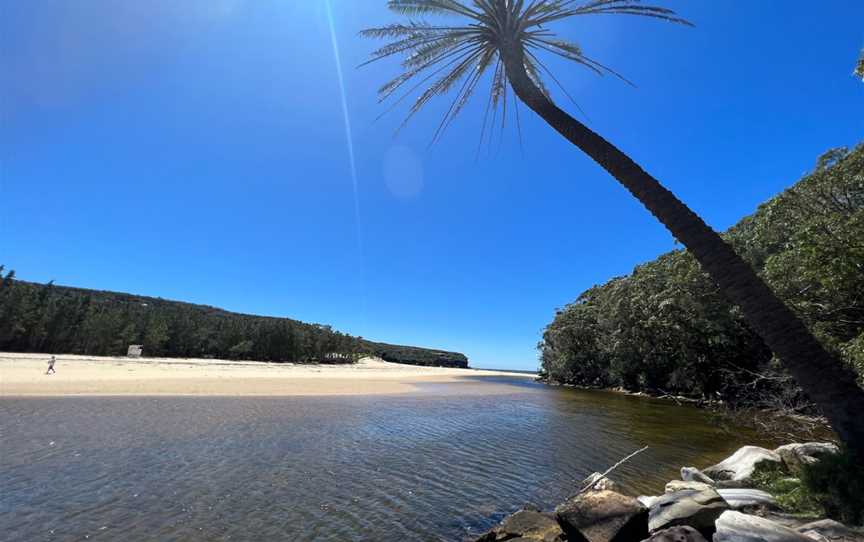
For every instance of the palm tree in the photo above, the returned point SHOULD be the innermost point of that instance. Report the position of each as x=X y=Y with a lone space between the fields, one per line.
x=506 y=38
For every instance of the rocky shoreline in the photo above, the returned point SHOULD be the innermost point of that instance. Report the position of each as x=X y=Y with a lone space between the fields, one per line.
x=679 y=399
x=806 y=426
x=714 y=504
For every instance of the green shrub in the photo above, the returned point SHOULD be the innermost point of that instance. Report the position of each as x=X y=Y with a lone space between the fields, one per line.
x=837 y=482
x=833 y=487
x=853 y=353
x=792 y=495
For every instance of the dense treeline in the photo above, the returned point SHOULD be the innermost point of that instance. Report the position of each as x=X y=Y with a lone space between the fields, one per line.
x=413 y=355
x=666 y=329
x=49 y=318
x=58 y=319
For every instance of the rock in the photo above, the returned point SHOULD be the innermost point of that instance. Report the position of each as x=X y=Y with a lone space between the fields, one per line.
x=526 y=525
x=698 y=509
x=748 y=498
x=647 y=500
x=732 y=484
x=795 y=456
x=678 y=485
x=737 y=527
x=793 y=521
x=745 y=498
x=692 y=474
x=741 y=464
x=603 y=516
x=599 y=483
x=828 y=530
x=682 y=533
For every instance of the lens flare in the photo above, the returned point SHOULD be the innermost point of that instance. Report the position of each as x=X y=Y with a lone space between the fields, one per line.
x=350 y=140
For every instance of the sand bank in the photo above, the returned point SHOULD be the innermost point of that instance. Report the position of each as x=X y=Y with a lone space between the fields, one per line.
x=24 y=375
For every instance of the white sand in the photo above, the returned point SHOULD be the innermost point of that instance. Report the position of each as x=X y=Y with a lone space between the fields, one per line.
x=24 y=375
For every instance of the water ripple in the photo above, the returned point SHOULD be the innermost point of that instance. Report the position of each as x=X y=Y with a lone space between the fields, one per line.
x=430 y=466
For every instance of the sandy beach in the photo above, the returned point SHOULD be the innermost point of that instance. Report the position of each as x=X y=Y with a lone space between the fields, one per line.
x=24 y=375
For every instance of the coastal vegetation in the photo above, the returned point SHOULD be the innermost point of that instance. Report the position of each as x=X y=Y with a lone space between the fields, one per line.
x=831 y=487
x=506 y=38
x=859 y=68
x=667 y=329
x=60 y=319
x=413 y=355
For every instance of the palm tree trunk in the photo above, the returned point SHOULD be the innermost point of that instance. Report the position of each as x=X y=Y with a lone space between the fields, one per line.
x=822 y=376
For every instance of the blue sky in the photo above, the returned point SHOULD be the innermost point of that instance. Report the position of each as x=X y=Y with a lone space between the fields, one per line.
x=197 y=151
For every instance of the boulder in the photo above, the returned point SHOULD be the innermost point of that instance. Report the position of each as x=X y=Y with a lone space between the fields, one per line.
x=697 y=509
x=796 y=455
x=733 y=484
x=737 y=527
x=741 y=464
x=603 y=516
x=692 y=474
x=748 y=498
x=828 y=530
x=526 y=525
x=678 y=485
x=793 y=521
x=598 y=483
x=682 y=533
x=647 y=500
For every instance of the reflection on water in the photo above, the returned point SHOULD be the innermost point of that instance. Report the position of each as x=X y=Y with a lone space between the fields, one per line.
x=435 y=465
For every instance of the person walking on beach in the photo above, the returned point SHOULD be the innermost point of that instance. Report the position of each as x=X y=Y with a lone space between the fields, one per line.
x=51 y=366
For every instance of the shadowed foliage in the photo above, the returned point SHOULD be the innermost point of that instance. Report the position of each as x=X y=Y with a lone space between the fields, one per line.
x=665 y=328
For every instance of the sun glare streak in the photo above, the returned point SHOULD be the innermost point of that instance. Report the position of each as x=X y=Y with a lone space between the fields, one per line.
x=349 y=139
x=345 y=115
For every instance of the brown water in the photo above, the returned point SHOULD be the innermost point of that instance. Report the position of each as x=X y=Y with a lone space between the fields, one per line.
x=436 y=465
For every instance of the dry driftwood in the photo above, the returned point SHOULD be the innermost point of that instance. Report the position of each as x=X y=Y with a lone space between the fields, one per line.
x=610 y=469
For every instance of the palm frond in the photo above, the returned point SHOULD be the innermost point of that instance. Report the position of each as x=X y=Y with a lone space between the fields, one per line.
x=531 y=64
x=426 y=7
x=457 y=58
x=556 y=10
x=444 y=83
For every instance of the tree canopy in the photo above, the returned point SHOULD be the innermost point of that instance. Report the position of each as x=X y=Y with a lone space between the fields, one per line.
x=665 y=328
x=59 y=319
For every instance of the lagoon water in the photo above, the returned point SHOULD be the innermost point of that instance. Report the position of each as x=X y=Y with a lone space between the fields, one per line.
x=444 y=463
